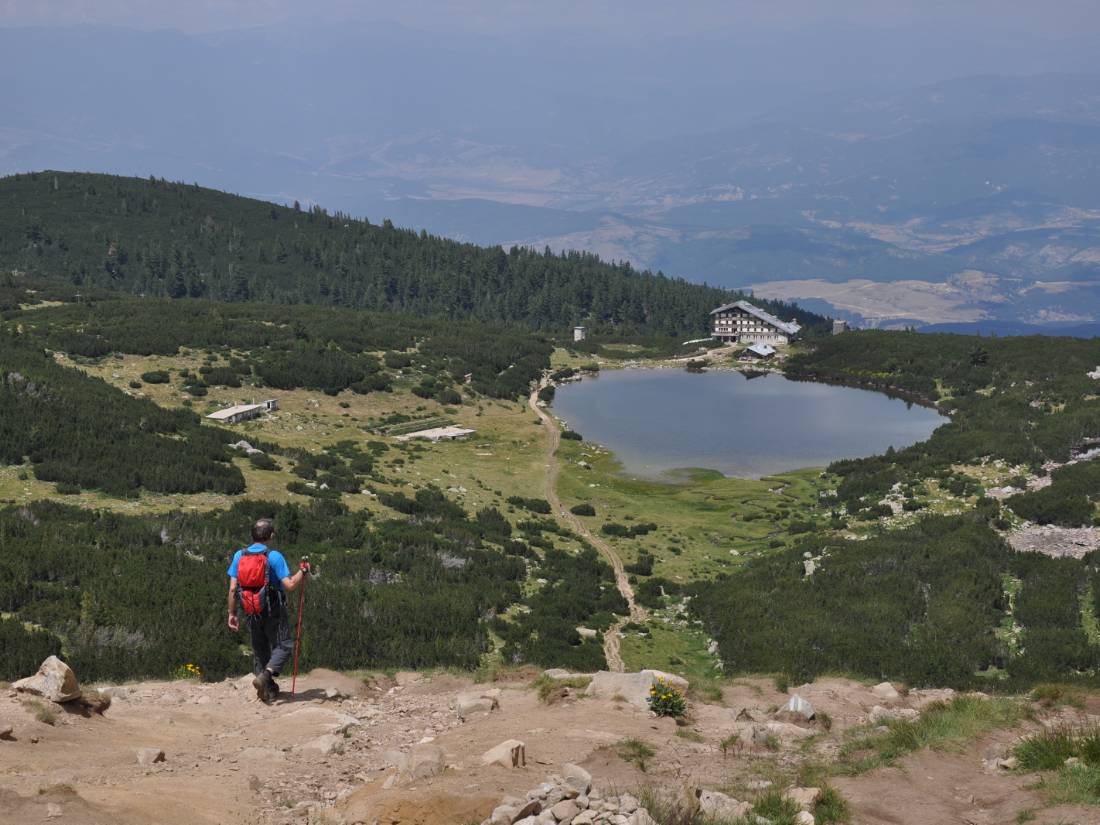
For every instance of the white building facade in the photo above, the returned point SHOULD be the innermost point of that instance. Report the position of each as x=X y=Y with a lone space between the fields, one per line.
x=745 y=323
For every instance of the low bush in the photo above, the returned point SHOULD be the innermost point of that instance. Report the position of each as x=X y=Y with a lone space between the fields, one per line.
x=583 y=510
x=665 y=699
x=156 y=377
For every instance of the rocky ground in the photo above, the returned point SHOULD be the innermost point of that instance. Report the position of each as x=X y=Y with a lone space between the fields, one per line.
x=434 y=749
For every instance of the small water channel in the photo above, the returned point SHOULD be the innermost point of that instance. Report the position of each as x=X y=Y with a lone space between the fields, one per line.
x=658 y=420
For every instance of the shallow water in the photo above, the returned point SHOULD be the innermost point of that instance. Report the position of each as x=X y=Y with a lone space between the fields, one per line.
x=656 y=420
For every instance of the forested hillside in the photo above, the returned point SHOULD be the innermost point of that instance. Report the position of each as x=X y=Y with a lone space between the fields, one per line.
x=153 y=238
x=931 y=605
x=80 y=432
x=1025 y=400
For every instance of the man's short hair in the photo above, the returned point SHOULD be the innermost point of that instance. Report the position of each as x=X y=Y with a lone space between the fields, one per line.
x=263 y=529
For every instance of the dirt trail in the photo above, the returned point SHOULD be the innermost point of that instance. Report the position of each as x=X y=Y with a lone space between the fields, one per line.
x=230 y=759
x=637 y=613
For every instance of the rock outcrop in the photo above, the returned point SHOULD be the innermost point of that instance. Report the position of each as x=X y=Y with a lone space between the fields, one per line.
x=569 y=800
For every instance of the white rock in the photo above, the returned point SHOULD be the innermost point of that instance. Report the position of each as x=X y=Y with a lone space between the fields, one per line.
x=148 y=757
x=114 y=692
x=804 y=818
x=326 y=745
x=508 y=754
x=585 y=818
x=886 y=691
x=880 y=714
x=720 y=806
x=800 y=706
x=425 y=761
x=565 y=810
x=639 y=817
x=54 y=680
x=785 y=730
x=576 y=778
x=634 y=687
x=469 y=704
x=344 y=722
x=804 y=798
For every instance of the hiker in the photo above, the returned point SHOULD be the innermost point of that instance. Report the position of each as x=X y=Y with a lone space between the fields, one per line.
x=259 y=580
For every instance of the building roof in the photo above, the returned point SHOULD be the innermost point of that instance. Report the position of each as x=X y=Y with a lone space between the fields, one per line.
x=229 y=412
x=789 y=327
x=763 y=350
x=437 y=433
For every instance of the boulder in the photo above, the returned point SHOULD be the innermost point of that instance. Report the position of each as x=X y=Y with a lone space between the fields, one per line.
x=326 y=745
x=585 y=818
x=508 y=754
x=639 y=817
x=718 y=805
x=633 y=687
x=565 y=810
x=147 y=757
x=509 y=812
x=798 y=706
x=470 y=704
x=804 y=818
x=576 y=778
x=343 y=723
x=804 y=798
x=425 y=761
x=886 y=691
x=54 y=680
x=880 y=714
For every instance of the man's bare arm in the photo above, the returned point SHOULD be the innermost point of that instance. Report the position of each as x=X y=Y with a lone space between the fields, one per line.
x=232 y=604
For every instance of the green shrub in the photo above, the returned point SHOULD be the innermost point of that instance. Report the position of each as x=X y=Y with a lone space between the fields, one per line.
x=262 y=461
x=156 y=377
x=831 y=808
x=584 y=509
x=572 y=435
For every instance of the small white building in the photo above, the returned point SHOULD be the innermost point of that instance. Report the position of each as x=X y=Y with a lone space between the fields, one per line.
x=450 y=433
x=746 y=323
x=580 y=333
x=839 y=326
x=243 y=412
x=758 y=352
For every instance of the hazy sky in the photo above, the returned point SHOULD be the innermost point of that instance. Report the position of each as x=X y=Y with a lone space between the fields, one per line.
x=630 y=17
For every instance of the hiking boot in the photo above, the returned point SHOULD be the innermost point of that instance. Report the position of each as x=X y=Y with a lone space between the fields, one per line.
x=266 y=689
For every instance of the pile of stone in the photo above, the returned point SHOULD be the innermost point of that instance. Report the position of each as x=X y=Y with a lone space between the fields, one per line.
x=569 y=799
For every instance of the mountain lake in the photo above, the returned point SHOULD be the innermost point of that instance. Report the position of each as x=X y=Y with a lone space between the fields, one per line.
x=660 y=420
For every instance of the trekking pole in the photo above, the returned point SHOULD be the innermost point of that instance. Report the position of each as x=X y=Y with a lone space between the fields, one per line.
x=298 y=638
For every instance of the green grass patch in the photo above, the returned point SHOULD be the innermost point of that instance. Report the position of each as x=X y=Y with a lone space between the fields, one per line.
x=679 y=650
x=942 y=726
x=831 y=808
x=551 y=690
x=636 y=752
x=1072 y=785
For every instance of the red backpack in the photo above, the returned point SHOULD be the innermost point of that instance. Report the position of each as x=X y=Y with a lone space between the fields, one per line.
x=253 y=580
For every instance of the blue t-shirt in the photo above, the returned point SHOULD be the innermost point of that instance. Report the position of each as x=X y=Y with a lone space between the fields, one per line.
x=277 y=568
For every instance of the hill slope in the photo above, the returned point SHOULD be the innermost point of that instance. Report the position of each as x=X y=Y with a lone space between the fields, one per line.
x=153 y=238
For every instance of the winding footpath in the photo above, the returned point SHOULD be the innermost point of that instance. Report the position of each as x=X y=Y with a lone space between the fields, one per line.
x=613 y=636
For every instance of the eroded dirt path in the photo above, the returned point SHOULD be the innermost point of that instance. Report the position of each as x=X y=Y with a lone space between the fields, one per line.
x=637 y=613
